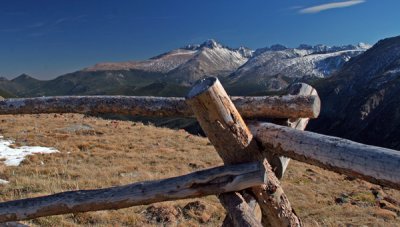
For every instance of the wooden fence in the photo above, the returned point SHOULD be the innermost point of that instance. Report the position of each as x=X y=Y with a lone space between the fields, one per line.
x=255 y=154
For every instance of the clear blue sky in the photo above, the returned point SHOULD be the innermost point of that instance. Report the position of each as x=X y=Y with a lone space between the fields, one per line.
x=46 y=38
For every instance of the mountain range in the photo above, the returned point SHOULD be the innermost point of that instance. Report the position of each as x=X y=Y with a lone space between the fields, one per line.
x=172 y=73
x=358 y=84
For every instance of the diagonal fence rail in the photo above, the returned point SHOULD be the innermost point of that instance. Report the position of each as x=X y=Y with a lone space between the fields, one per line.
x=197 y=184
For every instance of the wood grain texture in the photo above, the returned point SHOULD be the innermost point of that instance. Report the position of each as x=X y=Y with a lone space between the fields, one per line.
x=249 y=107
x=206 y=182
x=374 y=164
x=234 y=143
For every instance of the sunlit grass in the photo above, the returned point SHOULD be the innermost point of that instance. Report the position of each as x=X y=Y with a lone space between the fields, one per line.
x=108 y=153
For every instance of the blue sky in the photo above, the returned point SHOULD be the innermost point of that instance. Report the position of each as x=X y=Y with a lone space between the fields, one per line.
x=47 y=38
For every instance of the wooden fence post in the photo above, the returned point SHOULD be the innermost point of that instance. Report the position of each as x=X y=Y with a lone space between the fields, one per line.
x=234 y=143
x=239 y=212
x=280 y=163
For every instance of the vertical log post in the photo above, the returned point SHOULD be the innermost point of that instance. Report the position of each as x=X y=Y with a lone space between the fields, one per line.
x=234 y=143
x=239 y=212
x=280 y=163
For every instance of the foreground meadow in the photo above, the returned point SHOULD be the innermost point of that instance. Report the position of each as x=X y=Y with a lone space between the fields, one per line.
x=95 y=153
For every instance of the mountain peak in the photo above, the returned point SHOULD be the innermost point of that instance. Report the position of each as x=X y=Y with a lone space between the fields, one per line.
x=192 y=47
x=245 y=52
x=210 y=43
x=23 y=76
x=278 y=47
x=364 y=45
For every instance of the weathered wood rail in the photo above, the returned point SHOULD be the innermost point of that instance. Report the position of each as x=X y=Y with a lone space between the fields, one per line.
x=255 y=156
x=213 y=181
x=374 y=164
x=249 y=107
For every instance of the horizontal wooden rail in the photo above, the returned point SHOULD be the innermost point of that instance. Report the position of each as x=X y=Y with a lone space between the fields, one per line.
x=249 y=107
x=374 y=164
x=202 y=183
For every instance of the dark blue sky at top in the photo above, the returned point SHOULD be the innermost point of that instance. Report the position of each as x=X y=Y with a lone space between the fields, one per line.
x=47 y=38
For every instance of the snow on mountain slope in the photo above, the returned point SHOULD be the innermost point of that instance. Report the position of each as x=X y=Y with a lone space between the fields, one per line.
x=211 y=59
x=162 y=63
x=294 y=63
x=192 y=61
x=271 y=67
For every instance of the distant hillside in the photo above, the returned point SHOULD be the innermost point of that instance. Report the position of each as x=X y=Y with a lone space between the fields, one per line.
x=20 y=85
x=361 y=101
x=5 y=94
x=113 y=82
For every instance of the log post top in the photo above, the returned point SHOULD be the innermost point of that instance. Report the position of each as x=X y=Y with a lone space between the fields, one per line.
x=220 y=120
x=201 y=85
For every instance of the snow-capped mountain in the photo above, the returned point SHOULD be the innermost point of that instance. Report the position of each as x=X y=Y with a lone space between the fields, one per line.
x=186 y=64
x=273 y=67
x=242 y=71
x=211 y=59
x=268 y=68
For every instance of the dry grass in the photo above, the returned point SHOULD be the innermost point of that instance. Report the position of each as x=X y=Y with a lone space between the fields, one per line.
x=97 y=153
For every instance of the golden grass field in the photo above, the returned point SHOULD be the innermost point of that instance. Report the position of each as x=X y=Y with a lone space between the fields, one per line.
x=96 y=153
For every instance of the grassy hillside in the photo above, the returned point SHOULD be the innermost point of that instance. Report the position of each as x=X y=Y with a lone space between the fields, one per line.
x=6 y=94
x=97 y=153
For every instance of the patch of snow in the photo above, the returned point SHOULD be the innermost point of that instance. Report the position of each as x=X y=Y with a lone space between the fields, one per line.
x=3 y=181
x=364 y=45
x=14 y=156
x=245 y=52
x=393 y=71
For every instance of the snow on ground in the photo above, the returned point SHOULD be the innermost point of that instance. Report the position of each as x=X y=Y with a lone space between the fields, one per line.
x=14 y=156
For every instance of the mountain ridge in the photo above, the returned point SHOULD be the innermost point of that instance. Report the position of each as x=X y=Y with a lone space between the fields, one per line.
x=361 y=101
x=175 y=71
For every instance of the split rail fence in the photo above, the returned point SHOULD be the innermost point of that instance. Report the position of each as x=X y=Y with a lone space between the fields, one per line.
x=255 y=153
